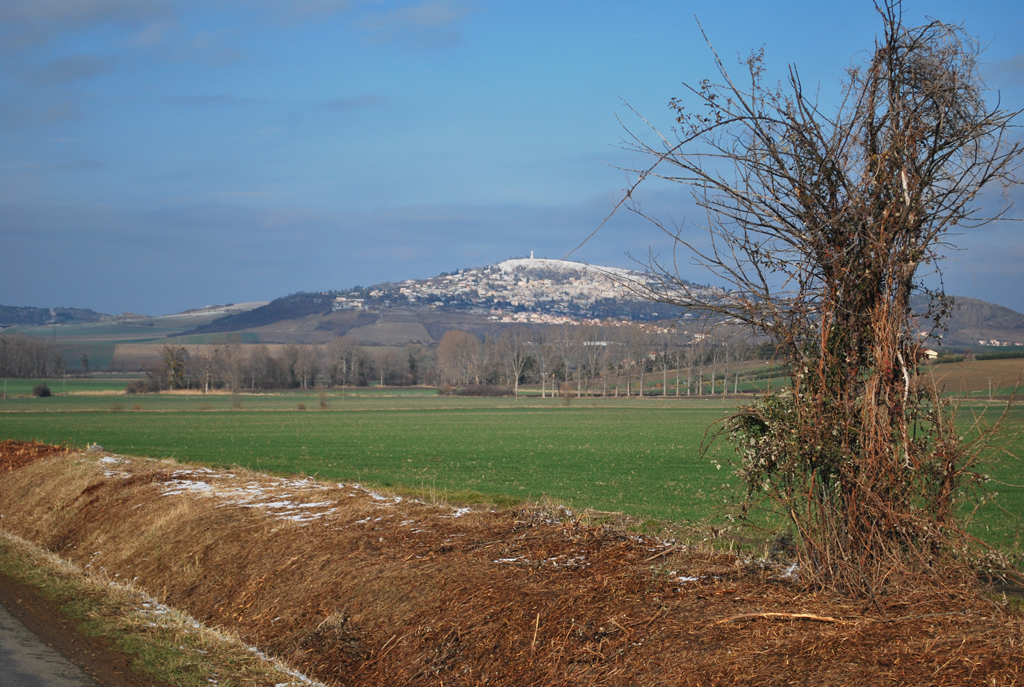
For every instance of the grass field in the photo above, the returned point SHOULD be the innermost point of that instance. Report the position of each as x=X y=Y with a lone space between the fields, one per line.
x=635 y=457
x=70 y=386
x=641 y=457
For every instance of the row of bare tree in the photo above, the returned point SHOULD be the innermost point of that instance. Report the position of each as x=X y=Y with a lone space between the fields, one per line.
x=236 y=366
x=596 y=359
x=21 y=356
x=621 y=359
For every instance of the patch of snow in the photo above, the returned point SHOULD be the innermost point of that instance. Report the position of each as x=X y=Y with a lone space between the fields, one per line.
x=180 y=486
x=293 y=673
x=568 y=266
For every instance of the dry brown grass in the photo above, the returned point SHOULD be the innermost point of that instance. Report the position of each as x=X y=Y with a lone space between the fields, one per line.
x=369 y=590
x=164 y=644
x=974 y=376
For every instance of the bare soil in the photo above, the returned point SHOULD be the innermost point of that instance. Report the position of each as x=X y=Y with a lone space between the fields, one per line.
x=355 y=587
x=16 y=454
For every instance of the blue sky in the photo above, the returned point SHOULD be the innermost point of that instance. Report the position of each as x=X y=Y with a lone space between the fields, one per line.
x=160 y=155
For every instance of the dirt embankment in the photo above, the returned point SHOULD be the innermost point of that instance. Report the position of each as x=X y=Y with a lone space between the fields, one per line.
x=360 y=588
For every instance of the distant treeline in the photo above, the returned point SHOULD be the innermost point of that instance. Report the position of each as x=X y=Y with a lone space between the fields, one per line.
x=585 y=359
x=237 y=367
x=22 y=356
x=599 y=359
x=1001 y=355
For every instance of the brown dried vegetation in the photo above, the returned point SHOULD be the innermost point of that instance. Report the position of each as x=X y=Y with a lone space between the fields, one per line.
x=15 y=454
x=824 y=225
x=369 y=589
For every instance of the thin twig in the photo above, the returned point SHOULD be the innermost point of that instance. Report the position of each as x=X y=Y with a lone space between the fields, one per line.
x=662 y=553
x=781 y=616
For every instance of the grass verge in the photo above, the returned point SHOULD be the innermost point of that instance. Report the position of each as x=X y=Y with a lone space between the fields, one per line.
x=161 y=642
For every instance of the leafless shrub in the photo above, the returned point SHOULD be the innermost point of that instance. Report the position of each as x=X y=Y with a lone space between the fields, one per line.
x=822 y=227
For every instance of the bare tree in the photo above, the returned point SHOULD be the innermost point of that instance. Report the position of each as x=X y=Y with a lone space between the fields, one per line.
x=823 y=226
x=640 y=351
x=414 y=362
x=387 y=364
x=173 y=362
x=21 y=356
x=594 y=348
x=205 y=360
x=665 y=358
x=265 y=370
x=458 y=355
x=543 y=354
x=567 y=349
x=627 y=359
x=514 y=348
x=341 y=360
x=307 y=365
x=232 y=361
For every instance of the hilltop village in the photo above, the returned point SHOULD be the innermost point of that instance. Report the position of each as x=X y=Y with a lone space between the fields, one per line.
x=533 y=290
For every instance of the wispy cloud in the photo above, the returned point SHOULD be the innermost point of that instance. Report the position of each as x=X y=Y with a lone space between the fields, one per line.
x=18 y=113
x=429 y=24
x=1009 y=72
x=85 y=163
x=357 y=103
x=211 y=48
x=78 y=11
x=211 y=100
x=432 y=14
x=152 y=34
x=302 y=10
x=25 y=23
x=69 y=69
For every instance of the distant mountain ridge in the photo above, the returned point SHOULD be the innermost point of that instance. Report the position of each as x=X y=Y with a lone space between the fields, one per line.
x=546 y=288
x=975 y=322
x=290 y=307
x=527 y=290
x=14 y=316
x=537 y=290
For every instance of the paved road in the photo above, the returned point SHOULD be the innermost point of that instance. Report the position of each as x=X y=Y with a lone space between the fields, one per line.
x=25 y=661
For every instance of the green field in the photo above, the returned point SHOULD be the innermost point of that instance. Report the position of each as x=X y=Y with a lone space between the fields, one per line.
x=641 y=457
x=66 y=388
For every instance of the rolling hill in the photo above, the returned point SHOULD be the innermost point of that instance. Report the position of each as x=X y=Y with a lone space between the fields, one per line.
x=481 y=300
